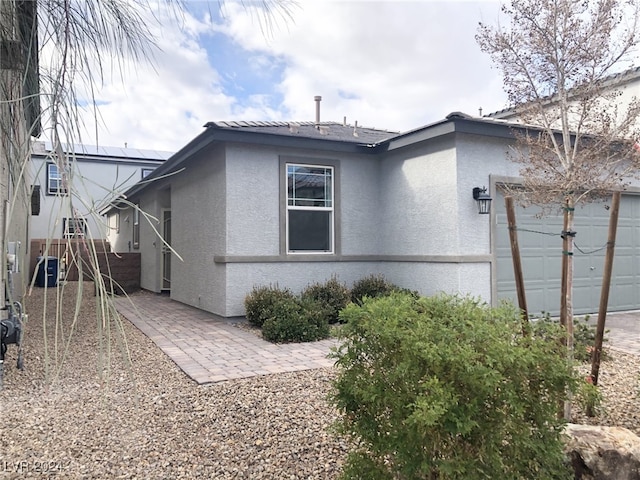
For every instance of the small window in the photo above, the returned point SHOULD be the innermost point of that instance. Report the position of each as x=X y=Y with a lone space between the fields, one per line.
x=146 y=172
x=54 y=180
x=136 y=226
x=35 y=200
x=74 y=228
x=310 y=215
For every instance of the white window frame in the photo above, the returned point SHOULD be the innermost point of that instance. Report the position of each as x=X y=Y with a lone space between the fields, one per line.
x=71 y=225
x=330 y=208
x=53 y=173
x=114 y=222
x=136 y=227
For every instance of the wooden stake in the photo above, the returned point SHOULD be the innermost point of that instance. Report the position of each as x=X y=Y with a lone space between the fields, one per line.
x=563 y=273
x=566 y=302
x=606 y=284
x=517 y=264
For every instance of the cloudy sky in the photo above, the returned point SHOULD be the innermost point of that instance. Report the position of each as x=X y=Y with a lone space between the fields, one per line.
x=393 y=64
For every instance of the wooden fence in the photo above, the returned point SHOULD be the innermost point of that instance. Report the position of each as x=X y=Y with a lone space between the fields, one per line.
x=121 y=270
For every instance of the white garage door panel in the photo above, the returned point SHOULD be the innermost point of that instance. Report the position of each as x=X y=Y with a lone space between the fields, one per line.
x=541 y=257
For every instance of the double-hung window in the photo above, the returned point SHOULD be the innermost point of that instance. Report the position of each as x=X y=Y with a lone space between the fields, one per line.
x=74 y=228
x=310 y=208
x=54 y=180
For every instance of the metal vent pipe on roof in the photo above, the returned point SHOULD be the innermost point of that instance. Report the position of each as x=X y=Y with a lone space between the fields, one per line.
x=318 y=99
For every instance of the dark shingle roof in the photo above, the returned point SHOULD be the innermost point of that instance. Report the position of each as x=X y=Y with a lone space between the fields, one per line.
x=339 y=132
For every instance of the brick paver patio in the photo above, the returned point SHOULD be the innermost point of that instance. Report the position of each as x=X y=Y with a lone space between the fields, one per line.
x=211 y=349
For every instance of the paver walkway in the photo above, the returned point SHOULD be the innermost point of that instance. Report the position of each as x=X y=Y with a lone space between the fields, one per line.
x=623 y=331
x=211 y=349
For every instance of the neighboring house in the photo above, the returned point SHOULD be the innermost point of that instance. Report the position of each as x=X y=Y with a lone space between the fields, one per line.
x=96 y=176
x=625 y=85
x=258 y=203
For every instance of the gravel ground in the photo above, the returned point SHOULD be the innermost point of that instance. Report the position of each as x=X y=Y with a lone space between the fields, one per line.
x=150 y=421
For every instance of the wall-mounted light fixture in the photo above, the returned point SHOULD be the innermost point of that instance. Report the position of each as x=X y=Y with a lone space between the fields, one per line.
x=481 y=196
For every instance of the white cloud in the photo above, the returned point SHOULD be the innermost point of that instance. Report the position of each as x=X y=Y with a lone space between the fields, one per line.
x=387 y=64
x=394 y=65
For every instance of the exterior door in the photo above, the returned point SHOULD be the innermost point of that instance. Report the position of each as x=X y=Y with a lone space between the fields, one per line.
x=166 y=251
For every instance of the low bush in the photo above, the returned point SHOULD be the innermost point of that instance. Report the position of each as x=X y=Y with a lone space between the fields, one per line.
x=589 y=397
x=267 y=302
x=372 y=286
x=333 y=294
x=449 y=388
x=297 y=321
x=584 y=336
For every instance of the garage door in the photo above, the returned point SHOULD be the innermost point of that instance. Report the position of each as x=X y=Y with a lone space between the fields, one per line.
x=541 y=252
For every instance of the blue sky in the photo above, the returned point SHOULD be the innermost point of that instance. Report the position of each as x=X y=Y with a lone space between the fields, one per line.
x=395 y=65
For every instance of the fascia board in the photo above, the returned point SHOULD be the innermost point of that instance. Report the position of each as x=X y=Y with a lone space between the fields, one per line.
x=458 y=125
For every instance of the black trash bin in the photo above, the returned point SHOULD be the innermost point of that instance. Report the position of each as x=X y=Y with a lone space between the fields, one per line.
x=47 y=275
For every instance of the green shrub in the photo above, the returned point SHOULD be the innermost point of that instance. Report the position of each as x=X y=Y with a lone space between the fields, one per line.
x=332 y=293
x=448 y=388
x=584 y=339
x=584 y=336
x=297 y=321
x=372 y=286
x=264 y=303
x=589 y=397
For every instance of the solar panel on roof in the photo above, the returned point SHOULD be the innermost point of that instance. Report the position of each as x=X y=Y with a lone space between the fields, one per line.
x=109 y=151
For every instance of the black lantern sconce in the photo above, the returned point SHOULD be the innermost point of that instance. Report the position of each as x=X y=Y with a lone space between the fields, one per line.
x=481 y=196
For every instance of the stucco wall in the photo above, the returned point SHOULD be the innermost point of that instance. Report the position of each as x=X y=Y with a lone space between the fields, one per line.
x=242 y=277
x=479 y=157
x=360 y=206
x=419 y=204
x=14 y=188
x=252 y=201
x=415 y=203
x=407 y=204
x=199 y=232
x=427 y=278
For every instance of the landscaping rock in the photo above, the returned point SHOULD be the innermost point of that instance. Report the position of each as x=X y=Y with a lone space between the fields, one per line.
x=603 y=453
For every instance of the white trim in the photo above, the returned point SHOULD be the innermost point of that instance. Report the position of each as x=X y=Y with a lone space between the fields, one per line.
x=331 y=209
x=59 y=190
x=164 y=250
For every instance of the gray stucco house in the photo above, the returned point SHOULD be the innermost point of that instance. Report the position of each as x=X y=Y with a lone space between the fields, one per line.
x=256 y=203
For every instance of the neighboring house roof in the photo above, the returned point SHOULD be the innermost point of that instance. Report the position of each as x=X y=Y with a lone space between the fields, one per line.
x=332 y=137
x=614 y=80
x=97 y=153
